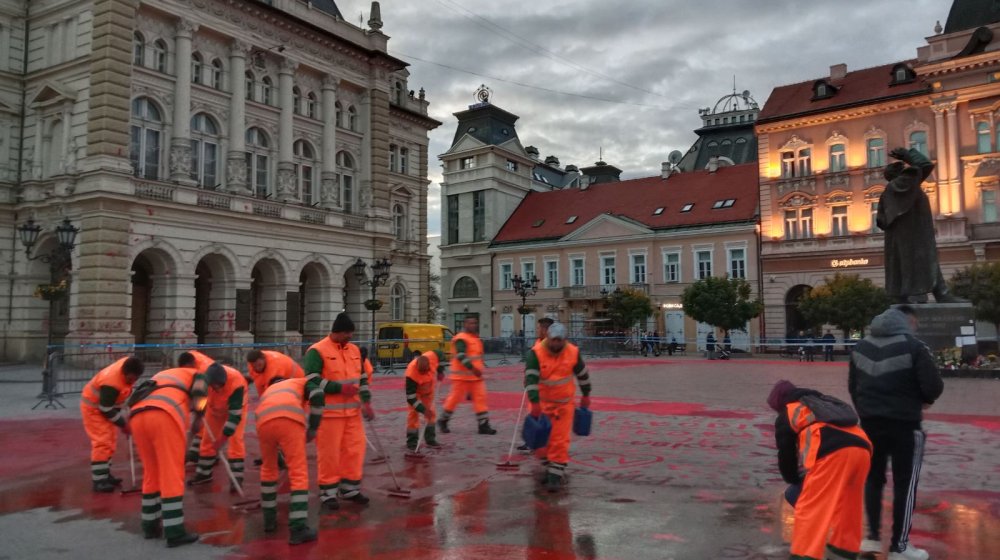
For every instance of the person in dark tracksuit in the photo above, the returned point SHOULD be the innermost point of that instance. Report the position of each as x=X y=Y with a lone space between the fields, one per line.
x=892 y=378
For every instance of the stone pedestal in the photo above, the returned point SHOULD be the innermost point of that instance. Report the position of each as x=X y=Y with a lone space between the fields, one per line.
x=947 y=325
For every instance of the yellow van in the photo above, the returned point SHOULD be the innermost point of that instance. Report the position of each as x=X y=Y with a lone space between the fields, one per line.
x=402 y=339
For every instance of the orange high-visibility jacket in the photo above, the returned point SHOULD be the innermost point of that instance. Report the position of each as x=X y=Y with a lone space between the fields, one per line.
x=341 y=364
x=556 y=377
x=284 y=399
x=113 y=377
x=278 y=365
x=818 y=439
x=201 y=361
x=219 y=399
x=463 y=362
x=174 y=390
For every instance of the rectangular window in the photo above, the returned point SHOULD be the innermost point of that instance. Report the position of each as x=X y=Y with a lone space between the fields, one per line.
x=787 y=165
x=804 y=162
x=511 y=165
x=983 y=138
x=347 y=195
x=918 y=142
x=638 y=275
x=452 y=219
x=551 y=274
x=578 y=271
x=806 y=221
x=528 y=270
x=671 y=267
x=506 y=275
x=876 y=152
x=798 y=224
x=704 y=259
x=403 y=156
x=989 y=206
x=467 y=163
x=838 y=158
x=737 y=263
x=838 y=227
x=479 y=216
x=393 y=154
x=874 y=211
x=608 y=270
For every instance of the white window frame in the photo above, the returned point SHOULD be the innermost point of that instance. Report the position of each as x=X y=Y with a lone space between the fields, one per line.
x=399 y=221
x=730 y=249
x=528 y=268
x=582 y=269
x=305 y=171
x=996 y=205
x=838 y=160
x=145 y=129
x=634 y=278
x=696 y=268
x=879 y=150
x=677 y=272
x=201 y=143
x=259 y=164
x=551 y=283
x=613 y=268
x=505 y=276
x=839 y=222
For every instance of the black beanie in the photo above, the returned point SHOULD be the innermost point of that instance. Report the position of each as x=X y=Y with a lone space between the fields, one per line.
x=216 y=374
x=342 y=323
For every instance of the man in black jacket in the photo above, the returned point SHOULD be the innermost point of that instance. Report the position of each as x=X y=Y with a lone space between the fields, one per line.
x=892 y=378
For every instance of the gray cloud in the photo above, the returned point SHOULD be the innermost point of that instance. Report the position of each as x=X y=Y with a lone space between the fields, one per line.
x=686 y=53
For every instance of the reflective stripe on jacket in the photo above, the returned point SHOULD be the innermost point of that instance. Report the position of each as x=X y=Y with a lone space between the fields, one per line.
x=111 y=376
x=555 y=380
x=473 y=353
x=285 y=399
x=175 y=388
x=341 y=364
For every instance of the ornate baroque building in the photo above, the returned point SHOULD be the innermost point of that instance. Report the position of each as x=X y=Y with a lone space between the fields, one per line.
x=226 y=162
x=823 y=145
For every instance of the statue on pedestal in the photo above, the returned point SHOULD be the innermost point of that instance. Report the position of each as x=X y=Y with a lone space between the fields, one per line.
x=904 y=213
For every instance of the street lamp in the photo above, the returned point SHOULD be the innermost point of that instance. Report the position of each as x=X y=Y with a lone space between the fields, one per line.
x=379 y=277
x=59 y=260
x=524 y=288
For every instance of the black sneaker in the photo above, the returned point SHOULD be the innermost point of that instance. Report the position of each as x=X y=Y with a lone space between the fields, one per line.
x=486 y=429
x=443 y=427
x=358 y=498
x=200 y=479
x=523 y=447
x=104 y=486
x=331 y=504
x=301 y=535
x=186 y=538
x=553 y=482
x=432 y=443
x=115 y=480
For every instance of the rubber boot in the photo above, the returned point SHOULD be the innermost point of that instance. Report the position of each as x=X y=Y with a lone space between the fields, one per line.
x=186 y=538
x=152 y=531
x=300 y=535
x=330 y=504
x=430 y=437
x=412 y=437
x=152 y=521
x=270 y=520
x=443 y=426
x=200 y=479
x=486 y=429
x=553 y=482
x=104 y=486
x=359 y=499
x=115 y=480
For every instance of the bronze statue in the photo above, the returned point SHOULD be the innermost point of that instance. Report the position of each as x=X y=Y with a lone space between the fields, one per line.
x=904 y=213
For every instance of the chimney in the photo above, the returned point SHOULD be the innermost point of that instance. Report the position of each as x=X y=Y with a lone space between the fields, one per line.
x=838 y=71
x=665 y=170
x=713 y=164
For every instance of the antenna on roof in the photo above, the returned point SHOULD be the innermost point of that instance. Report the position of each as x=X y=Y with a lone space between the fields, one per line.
x=600 y=153
x=734 y=84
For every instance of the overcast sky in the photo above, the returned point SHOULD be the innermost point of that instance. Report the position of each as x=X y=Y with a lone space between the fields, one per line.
x=659 y=61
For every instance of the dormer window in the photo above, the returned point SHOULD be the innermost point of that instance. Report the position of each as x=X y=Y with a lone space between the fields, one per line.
x=658 y=211
x=687 y=207
x=902 y=74
x=823 y=90
x=570 y=219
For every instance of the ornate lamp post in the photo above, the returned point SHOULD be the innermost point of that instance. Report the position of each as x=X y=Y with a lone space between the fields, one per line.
x=524 y=288
x=58 y=259
x=379 y=277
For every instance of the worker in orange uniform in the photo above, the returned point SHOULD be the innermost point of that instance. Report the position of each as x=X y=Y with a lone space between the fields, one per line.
x=103 y=415
x=420 y=382
x=159 y=424
x=201 y=363
x=226 y=416
x=548 y=378
x=266 y=366
x=822 y=448
x=340 y=440
x=466 y=377
x=542 y=331
x=282 y=426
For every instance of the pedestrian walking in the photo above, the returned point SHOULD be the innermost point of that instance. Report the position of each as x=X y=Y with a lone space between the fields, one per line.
x=892 y=377
x=267 y=366
x=823 y=450
x=102 y=408
x=548 y=380
x=225 y=416
x=710 y=346
x=340 y=440
x=828 y=340
x=422 y=374
x=466 y=375
x=159 y=423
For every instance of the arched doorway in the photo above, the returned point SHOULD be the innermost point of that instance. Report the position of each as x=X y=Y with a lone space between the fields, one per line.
x=153 y=302
x=794 y=321
x=315 y=306
x=214 y=300
x=142 y=285
x=267 y=301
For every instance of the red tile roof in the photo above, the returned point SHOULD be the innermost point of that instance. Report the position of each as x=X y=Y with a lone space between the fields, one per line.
x=636 y=200
x=860 y=87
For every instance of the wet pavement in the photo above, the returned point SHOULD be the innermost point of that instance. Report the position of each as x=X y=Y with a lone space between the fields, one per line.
x=680 y=466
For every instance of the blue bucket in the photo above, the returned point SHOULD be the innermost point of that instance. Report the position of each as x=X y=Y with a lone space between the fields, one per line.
x=536 y=431
x=582 y=420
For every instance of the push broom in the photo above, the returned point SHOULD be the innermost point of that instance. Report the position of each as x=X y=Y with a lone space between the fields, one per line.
x=416 y=455
x=399 y=491
x=131 y=462
x=244 y=504
x=507 y=465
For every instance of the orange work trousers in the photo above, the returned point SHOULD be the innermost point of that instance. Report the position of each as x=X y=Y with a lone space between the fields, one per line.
x=561 y=417
x=290 y=437
x=102 y=433
x=413 y=417
x=460 y=389
x=161 y=445
x=340 y=449
x=235 y=448
x=831 y=504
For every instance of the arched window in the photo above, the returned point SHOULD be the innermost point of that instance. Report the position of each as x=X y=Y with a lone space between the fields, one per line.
x=311 y=105
x=250 y=85
x=216 y=74
x=340 y=114
x=296 y=100
x=258 y=152
x=160 y=55
x=204 y=151
x=465 y=288
x=197 y=65
x=352 y=118
x=305 y=169
x=138 y=49
x=918 y=141
x=983 y=138
x=398 y=302
x=345 y=173
x=144 y=141
x=399 y=221
x=265 y=90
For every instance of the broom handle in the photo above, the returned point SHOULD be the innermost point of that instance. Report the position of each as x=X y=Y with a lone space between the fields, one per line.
x=131 y=459
x=513 y=436
x=388 y=461
x=225 y=463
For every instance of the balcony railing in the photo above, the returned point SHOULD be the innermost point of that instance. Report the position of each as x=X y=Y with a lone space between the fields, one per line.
x=600 y=291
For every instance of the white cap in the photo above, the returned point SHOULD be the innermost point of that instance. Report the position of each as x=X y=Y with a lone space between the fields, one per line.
x=557 y=330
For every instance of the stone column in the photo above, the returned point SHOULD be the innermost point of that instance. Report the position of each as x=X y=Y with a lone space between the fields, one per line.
x=180 y=141
x=367 y=189
x=171 y=309
x=954 y=163
x=236 y=163
x=944 y=202
x=287 y=187
x=329 y=189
